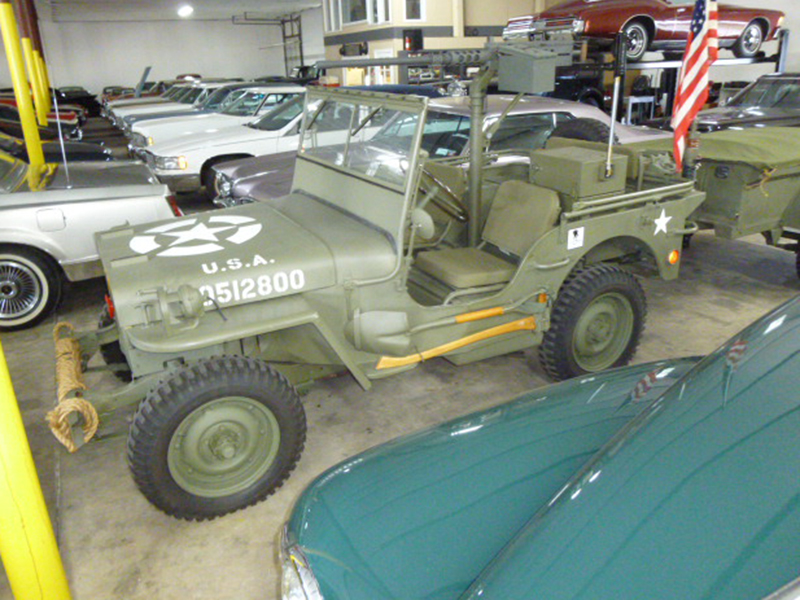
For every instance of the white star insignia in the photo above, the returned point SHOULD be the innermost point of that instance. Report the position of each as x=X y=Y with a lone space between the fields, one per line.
x=661 y=222
x=198 y=232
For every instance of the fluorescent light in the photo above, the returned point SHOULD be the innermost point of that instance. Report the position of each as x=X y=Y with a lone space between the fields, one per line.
x=185 y=10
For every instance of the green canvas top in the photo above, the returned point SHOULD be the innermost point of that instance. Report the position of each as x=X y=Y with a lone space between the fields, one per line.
x=763 y=148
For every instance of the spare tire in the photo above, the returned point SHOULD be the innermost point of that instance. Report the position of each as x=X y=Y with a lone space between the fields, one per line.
x=587 y=129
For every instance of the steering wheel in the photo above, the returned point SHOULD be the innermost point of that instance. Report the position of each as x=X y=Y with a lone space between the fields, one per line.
x=449 y=203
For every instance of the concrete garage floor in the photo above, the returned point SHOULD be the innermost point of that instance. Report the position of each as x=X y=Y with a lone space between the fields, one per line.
x=115 y=545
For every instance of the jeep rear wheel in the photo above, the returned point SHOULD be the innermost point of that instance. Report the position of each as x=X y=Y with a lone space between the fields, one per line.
x=215 y=437
x=596 y=323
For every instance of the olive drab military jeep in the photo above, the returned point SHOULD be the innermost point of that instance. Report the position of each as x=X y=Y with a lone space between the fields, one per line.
x=382 y=257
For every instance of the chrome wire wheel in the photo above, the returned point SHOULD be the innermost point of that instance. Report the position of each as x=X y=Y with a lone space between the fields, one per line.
x=30 y=286
x=21 y=287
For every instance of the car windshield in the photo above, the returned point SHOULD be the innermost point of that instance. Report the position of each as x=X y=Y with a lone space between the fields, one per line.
x=769 y=93
x=12 y=173
x=247 y=104
x=280 y=116
x=190 y=96
x=176 y=92
x=343 y=133
x=216 y=98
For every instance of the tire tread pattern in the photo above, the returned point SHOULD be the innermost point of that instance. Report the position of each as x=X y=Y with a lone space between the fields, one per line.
x=575 y=293
x=172 y=396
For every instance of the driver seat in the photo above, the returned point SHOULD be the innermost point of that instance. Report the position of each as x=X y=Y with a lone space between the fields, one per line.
x=520 y=214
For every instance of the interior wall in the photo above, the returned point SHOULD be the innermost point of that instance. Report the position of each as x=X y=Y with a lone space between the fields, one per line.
x=96 y=54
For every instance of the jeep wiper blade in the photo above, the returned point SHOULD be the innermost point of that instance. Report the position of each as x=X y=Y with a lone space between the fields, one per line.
x=366 y=120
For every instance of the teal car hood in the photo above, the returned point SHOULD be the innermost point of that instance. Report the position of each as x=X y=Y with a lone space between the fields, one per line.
x=698 y=498
x=419 y=518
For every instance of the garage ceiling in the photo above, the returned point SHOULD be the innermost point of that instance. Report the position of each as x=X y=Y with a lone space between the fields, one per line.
x=62 y=11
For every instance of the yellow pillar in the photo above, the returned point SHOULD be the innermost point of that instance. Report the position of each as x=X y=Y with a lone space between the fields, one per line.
x=34 y=76
x=8 y=27
x=44 y=77
x=27 y=543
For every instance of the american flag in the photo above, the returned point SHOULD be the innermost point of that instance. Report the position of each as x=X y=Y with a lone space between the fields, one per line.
x=702 y=48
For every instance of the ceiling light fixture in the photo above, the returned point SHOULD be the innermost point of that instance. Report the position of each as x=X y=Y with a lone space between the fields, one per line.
x=185 y=10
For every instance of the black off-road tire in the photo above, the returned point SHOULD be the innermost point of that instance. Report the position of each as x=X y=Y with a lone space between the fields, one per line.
x=30 y=286
x=596 y=322
x=749 y=43
x=216 y=436
x=583 y=128
x=112 y=353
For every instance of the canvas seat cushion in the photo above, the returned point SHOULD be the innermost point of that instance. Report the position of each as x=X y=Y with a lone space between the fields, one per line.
x=466 y=267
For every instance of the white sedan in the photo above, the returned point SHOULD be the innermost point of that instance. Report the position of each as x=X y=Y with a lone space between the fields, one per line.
x=249 y=104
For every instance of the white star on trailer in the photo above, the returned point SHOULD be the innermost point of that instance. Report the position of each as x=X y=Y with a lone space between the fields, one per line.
x=661 y=222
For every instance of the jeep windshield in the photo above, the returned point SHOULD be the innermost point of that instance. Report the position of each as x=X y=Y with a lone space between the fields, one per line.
x=344 y=133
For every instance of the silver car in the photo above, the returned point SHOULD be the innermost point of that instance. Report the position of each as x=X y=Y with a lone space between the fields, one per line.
x=47 y=235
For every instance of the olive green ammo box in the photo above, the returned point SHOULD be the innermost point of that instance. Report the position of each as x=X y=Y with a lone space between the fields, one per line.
x=577 y=173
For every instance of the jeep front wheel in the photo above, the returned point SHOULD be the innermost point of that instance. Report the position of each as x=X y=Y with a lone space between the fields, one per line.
x=596 y=323
x=216 y=436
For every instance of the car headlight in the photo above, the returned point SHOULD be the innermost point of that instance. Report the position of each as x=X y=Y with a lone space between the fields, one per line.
x=578 y=26
x=224 y=185
x=298 y=582
x=171 y=163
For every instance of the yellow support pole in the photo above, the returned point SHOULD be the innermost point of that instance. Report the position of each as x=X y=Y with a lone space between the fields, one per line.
x=27 y=543
x=8 y=27
x=44 y=78
x=34 y=75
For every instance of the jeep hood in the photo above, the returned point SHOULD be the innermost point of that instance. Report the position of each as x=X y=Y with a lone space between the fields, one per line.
x=242 y=255
x=420 y=517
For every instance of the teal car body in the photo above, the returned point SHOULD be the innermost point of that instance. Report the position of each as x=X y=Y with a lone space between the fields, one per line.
x=676 y=479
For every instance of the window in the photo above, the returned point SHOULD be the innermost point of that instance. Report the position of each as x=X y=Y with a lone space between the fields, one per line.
x=354 y=11
x=379 y=11
x=333 y=14
x=348 y=12
x=415 y=10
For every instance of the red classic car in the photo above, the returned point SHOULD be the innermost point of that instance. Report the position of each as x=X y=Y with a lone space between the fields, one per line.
x=648 y=24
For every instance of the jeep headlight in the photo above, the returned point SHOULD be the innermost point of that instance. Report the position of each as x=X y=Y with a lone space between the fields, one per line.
x=224 y=185
x=297 y=582
x=171 y=163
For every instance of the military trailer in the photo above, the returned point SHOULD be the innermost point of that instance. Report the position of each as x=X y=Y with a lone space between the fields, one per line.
x=382 y=257
x=751 y=178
